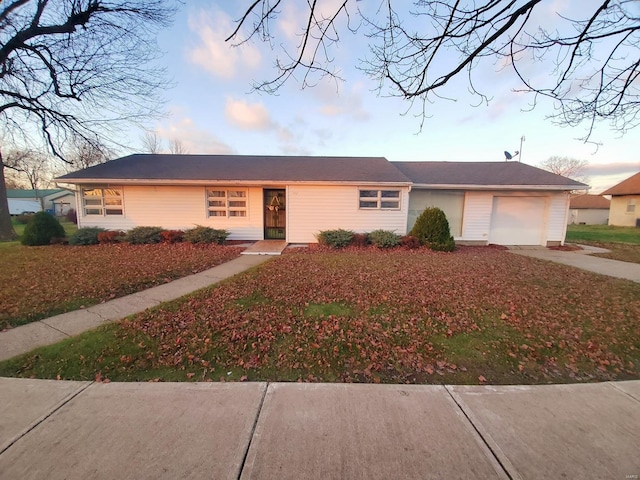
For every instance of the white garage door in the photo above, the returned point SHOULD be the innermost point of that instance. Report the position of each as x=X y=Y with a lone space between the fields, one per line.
x=517 y=221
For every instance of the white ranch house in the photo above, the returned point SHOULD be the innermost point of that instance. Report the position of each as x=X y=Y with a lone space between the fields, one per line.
x=293 y=198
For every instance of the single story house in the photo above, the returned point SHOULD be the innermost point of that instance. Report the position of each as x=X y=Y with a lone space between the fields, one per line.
x=57 y=200
x=293 y=198
x=589 y=210
x=625 y=198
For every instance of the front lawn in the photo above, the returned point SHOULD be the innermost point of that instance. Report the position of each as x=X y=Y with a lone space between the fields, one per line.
x=623 y=242
x=37 y=282
x=478 y=315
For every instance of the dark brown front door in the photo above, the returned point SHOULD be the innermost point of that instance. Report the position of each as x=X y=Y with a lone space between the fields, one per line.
x=275 y=214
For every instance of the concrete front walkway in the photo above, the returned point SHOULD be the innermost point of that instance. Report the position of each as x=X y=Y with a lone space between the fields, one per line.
x=82 y=430
x=51 y=330
x=583 y=260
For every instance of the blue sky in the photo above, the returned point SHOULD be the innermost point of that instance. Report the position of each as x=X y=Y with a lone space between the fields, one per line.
x=211 y=108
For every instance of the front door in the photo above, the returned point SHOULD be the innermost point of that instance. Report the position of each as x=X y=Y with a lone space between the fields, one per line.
x=275 y=214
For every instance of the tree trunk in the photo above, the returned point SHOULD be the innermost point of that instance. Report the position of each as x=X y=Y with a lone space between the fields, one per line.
x=6 y=229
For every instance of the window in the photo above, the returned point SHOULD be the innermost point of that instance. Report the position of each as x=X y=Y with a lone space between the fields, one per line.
x=102 y=201
x=380 y=199
x=226 y=203
x=631 y=205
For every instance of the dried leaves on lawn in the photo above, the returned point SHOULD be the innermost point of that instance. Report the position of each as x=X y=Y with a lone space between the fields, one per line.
x=36 y=282
x=403 y=316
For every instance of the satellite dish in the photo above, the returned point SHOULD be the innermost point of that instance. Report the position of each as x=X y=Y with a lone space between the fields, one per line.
x=508 y=156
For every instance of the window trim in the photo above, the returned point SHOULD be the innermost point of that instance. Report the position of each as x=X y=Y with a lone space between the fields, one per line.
x=103 y=207
x=379 y=199
x=227 y=209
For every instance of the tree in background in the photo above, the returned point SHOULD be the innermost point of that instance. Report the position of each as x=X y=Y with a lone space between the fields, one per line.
x=85 y=154
x=76 y=69
x=30 y=168
x=589 y=65
x=567 y=167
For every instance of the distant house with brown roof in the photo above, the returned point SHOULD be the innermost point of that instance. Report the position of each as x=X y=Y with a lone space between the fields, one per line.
x=294 y=198
x=625 y=201
x=589 y=210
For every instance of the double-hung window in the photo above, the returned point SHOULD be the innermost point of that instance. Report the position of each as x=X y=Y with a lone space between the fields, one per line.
x=102 y=201
x=226 y=203
x=379 y=199
x=631 y=205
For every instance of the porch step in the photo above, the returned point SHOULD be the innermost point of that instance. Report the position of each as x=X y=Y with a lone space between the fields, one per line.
x=266 y=247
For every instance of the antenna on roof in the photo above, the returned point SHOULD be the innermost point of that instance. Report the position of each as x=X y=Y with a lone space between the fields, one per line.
x=508 y=156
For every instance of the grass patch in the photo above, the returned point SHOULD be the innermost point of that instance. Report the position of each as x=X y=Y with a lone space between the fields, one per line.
x=603 y=234
x=623 y=242
x=477 y=315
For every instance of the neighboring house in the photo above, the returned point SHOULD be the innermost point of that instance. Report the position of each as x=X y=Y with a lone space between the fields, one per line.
x=625 y=202
x=62 y=202
x=293 y=198
x=589 y=210
x=36 y=200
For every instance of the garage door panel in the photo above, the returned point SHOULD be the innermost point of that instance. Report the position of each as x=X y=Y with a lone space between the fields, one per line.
x=517 y=221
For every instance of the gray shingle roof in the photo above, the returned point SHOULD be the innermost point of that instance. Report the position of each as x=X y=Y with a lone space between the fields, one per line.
x=482 y=173
x=250 y=168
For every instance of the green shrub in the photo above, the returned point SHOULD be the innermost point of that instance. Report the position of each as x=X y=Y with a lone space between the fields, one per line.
x=172 y=236
x=86 y=236
x=41 y=229
x=432 y=229
x=447 y=246
x=142 y=235
x=111 y=236
x=335 y=238
x=384 y=238
x=202 y=234
x=360 y=240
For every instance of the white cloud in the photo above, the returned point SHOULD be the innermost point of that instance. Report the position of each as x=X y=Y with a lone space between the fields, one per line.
x=193 y=139
x=215 y=55
x=247 y=116
x=335 y=103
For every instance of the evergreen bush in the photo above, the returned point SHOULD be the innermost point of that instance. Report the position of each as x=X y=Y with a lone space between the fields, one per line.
x=201 y=234
x=86 y=236
x=71 y=216
x=432 y=229
x=384 y=238
x=41 y=229
x=335 y=238
x=143 y=235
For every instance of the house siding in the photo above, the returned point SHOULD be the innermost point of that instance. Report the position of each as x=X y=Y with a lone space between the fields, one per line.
x=173 y=207
x=478 y=210
x=618 y=214
x=589 y=216
x=312 y=209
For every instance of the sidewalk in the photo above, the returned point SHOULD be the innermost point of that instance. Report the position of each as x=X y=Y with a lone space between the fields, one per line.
x=85 y=430
x=51 y=330
x=583 y=260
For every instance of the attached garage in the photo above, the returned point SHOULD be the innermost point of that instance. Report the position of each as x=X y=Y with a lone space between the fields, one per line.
x=518 y=221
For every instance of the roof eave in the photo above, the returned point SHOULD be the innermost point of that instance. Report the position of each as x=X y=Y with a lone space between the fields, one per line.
x=168 y=182
x=458 y=186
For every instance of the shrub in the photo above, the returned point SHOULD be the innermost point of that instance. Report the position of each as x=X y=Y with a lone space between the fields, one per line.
x=86 y=236
x=335 y=238
x=111 y=236
x=384 y=238
x=410 y=242
x=41 y=229
x=202 y=234
x=172 y=236
x=142 y=235
x=71 y=216
x=446 y=246
x=432 y=229
x=23 y=219
x=360 y=240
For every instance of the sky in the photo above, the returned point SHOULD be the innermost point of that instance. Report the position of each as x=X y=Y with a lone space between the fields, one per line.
x=211 y=107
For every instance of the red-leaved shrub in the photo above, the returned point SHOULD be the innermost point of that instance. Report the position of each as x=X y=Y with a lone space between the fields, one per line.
x=172 y=236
